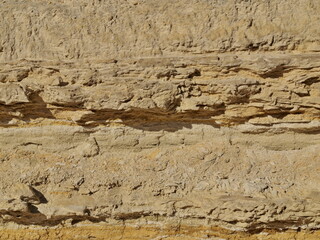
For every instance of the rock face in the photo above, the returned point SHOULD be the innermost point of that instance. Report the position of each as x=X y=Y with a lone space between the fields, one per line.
x=197 y=115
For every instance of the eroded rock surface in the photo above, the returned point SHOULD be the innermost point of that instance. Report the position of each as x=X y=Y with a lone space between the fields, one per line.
x=185 y=113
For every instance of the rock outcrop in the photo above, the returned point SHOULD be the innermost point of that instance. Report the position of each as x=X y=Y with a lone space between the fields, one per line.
x=159 y=120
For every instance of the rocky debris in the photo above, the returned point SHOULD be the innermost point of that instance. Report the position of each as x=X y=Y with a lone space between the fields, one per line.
x=11 y=93
x=223 y=93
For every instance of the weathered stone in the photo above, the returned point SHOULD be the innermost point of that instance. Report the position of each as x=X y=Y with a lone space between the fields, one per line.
x=159 y=119
x=11 y=93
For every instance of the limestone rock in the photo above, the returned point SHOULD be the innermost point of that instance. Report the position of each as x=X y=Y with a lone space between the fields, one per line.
x=11 y=93
x=89 y=148
x=159 y=119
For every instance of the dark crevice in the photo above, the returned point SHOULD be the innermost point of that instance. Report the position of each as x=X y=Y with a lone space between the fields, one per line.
x=279 y=226
x=196 y=73
x=37 y=108
x=152 y=119
x=311 y=81
x=277 y=72
x=34 y=217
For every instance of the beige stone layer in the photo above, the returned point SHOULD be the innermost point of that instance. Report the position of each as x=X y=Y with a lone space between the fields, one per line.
x=201 y=112
x=73 y=29
x=149 y=232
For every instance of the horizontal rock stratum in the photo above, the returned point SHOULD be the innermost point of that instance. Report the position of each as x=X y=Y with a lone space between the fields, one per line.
x=160 y=119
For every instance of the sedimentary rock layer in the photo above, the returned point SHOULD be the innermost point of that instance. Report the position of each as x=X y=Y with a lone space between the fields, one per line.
x=138 y=116
x=138 y=231
x=73 y=29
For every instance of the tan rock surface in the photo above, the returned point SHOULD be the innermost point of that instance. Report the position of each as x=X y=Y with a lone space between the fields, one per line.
x=146 y=232
x=138 y=116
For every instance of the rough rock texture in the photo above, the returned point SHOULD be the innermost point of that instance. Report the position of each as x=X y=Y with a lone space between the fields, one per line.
x=142 y=231
x=145 y=116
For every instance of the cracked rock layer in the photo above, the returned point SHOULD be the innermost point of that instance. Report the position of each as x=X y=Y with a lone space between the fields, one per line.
x=153 y=112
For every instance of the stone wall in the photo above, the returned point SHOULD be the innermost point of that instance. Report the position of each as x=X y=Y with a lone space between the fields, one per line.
x=201 y=115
